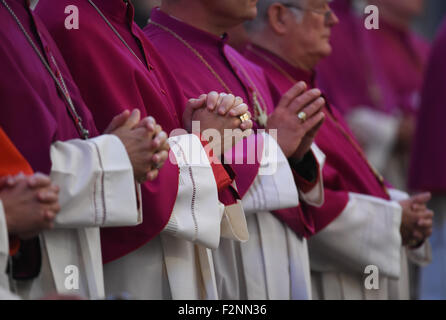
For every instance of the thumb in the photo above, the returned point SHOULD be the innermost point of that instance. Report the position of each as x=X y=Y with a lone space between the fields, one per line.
x=117 y=121
x=191 y=106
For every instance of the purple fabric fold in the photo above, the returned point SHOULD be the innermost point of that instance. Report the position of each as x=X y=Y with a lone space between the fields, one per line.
x=427 y=170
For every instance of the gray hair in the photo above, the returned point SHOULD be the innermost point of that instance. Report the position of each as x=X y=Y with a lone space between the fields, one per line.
x=262 y=13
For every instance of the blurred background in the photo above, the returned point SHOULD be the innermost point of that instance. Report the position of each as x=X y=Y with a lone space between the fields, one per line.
x=427 y=24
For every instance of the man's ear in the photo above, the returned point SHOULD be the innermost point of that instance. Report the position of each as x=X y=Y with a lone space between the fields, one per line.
x=277 y=18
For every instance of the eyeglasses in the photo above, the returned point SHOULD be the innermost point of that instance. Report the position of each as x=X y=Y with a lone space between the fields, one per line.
x=326 y=13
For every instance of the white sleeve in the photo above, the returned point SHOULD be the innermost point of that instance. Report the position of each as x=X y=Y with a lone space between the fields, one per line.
x=197 y=212
x=274 y=187
x=97 y=187
x=315 y=197
x=4 y=247
x=367 y=232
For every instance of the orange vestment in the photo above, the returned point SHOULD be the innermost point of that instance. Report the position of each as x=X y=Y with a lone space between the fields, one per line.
x=12 y=163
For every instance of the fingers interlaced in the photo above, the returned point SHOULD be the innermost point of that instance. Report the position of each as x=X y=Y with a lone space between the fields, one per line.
x=38 y=180
x=149 y=123
x=212 y=100
x=160 y=140
x=238 y=100
x=226 y=103
x=47 y=196
x=239 y=110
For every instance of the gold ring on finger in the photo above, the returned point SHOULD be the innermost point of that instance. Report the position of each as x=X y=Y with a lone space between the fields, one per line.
x=302 y=116
x=244 y=117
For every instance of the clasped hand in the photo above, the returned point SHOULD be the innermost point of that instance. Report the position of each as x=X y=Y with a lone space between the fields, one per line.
x=416 y=222
x=30 y=204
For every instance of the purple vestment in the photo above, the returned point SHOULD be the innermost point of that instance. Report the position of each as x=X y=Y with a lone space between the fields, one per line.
x=427 y=170
x=345 y=169
x=242 y=77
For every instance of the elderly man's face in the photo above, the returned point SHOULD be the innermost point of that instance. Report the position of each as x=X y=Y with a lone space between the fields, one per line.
x=312 y=31
x=237 y=10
